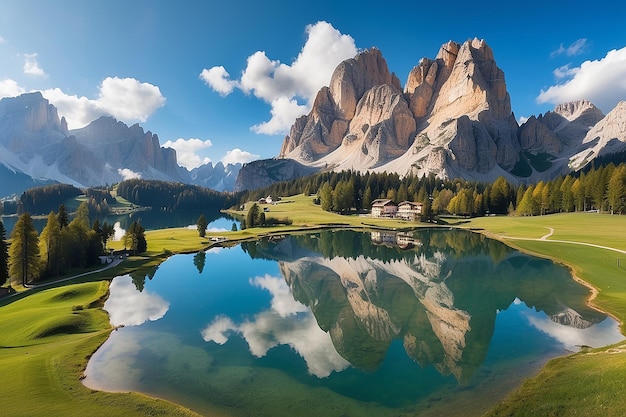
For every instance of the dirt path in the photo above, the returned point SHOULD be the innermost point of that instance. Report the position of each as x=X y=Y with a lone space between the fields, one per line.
x=546 y=238
x=116 y=262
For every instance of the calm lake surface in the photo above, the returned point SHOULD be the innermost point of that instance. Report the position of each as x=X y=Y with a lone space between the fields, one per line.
x=343 y=323
x=149 y=219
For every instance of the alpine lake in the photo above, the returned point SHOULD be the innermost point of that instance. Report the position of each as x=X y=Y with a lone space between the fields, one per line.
x=343 y=323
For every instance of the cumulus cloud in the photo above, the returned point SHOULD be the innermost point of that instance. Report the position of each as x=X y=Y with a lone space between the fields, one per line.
x=126 y=99
x=31 y=66
x=217 y=79
x=602 y=81
x=129 y=99
x=565 y=71
x=186 y=151
x=578 y=47
x=128 y=174
x=289 y=89
x=10 y=88
x=237 y=156
x=284 y=112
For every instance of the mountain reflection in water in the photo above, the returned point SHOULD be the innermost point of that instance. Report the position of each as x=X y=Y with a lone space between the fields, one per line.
x=441 y=298
x=374 y=323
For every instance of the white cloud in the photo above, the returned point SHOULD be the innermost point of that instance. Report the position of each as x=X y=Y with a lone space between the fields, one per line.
x=10 y=88
x=578 y=47
x=128 y=174
x=284 y=86
x=603 y=82
x=2 y=40
x=284 y=112
x=126 y=99
x=217 y=79
x=237 y=156
x=565 y=71
x=129 y=99
x=186 y=151
x=31 y=66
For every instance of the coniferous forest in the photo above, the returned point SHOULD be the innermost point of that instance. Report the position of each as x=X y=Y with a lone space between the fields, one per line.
x=602 y=189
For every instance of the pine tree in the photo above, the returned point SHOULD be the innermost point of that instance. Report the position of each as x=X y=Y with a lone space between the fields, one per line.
x=62 y=216
x=253 y=216
x=4 y=255
x=201 y=225
x=24 y=251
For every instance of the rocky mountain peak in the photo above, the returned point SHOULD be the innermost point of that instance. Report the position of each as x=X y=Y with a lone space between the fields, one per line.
x=353 y=77
x=29 y=122
x=365 y=120
x=575 y=109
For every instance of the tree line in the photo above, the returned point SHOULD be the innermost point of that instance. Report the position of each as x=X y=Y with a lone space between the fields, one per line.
x=61 y=246
x=602 y=189
x=170 y=196
x=46 y=198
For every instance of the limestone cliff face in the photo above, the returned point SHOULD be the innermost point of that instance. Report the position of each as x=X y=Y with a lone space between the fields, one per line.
x=454 y=115
x=119 y=146
x=324 y=129
x=258 y=174
x=608 y=136
x=453 y=118
x=36 y=142
x=29 y=123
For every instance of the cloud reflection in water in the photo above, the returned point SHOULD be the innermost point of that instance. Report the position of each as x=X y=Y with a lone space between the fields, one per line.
x=128 y=307
x=287 y=322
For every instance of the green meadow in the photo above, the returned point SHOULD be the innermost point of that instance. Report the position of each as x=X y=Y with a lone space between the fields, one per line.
x=47 y=336
x=592 y=381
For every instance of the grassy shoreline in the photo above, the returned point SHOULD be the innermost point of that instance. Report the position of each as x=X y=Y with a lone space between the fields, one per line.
x=76 y=325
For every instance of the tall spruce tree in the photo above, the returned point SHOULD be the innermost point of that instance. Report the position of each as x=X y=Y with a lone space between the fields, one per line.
x=201 y=225
x=63 y=217
x=4 y=255
x=24 y=251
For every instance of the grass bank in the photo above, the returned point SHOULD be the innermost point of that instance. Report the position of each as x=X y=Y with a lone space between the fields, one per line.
x=592 y=381
x=45 y=342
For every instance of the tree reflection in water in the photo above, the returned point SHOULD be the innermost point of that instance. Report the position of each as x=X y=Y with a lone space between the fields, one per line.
x=440 y=296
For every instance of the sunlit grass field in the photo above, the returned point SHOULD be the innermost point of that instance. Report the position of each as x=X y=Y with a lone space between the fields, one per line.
x=45 y=342
x=589 y=383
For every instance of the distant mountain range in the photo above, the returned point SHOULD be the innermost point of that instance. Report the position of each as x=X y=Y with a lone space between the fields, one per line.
x=452 y=118
x=36 y=148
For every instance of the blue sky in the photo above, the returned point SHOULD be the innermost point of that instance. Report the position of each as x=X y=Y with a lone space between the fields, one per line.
x=223 y=81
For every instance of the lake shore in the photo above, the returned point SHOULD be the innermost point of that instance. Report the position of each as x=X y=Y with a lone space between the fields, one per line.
x=557 y=386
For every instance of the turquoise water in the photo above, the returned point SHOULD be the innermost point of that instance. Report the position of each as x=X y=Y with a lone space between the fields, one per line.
x=344 y=323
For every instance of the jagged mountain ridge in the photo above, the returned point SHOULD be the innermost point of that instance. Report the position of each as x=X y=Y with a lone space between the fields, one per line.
x=453 y=118
x=36 y=143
